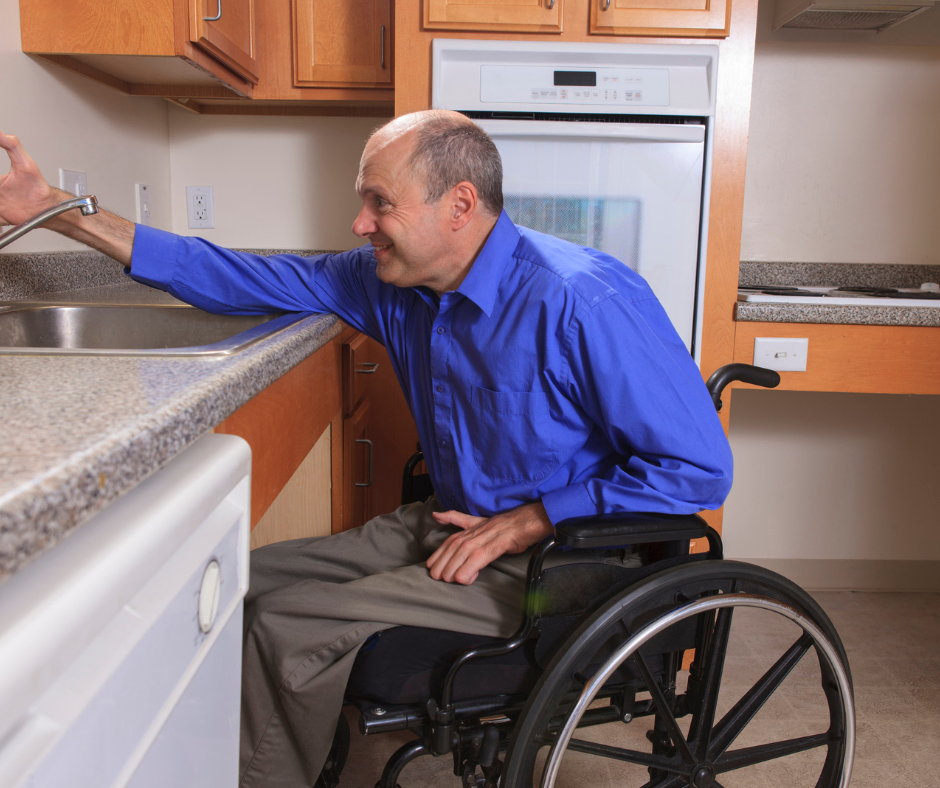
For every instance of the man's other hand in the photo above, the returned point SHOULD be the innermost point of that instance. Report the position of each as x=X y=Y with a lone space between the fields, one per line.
x=484 y=539
x=24 y=193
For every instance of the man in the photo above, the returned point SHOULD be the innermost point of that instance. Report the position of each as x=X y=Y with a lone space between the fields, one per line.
x=545 y=380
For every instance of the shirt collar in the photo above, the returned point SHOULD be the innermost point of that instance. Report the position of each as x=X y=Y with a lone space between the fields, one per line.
x=482 y=281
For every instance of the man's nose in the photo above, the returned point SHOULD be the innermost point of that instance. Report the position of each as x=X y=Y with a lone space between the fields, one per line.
x=364 y=225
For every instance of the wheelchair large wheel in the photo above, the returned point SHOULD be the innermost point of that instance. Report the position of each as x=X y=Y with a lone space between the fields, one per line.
x=744 y=718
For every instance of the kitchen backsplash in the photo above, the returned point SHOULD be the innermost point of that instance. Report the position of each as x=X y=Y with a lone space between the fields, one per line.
x=838 y=274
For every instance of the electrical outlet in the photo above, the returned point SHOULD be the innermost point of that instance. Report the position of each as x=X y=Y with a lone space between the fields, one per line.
x=784 y=355
x=199 y=208
x=73 y=182
x=143 y=203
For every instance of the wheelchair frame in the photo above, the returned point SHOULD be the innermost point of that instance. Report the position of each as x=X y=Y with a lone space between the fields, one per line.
x=703 y=587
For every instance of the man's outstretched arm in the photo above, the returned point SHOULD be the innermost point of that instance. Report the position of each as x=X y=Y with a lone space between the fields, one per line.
x=24 y=193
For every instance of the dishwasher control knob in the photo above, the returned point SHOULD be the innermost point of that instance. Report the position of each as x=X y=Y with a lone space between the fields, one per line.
x=209 y=593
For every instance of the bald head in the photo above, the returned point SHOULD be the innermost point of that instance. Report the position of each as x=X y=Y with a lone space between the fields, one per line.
x=446 y=148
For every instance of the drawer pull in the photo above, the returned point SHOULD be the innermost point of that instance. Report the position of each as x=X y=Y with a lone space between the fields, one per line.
x=382 y=33
x=371 y=458
x=368 y=368
x=606 y=4
x=215 y=18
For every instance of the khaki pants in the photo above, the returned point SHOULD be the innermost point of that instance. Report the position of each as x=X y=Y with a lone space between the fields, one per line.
x=311 y=604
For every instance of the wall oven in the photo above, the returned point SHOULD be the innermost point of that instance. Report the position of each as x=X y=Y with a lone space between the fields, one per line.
x=605 y=145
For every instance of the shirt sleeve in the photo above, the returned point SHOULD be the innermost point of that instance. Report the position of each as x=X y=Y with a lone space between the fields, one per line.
x=223 y=281
x=636 y=381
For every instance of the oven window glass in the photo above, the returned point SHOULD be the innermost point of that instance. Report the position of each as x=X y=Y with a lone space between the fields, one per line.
x=609 y=224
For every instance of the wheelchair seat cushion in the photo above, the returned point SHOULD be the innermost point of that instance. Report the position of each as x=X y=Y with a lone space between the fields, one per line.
x=407 y=665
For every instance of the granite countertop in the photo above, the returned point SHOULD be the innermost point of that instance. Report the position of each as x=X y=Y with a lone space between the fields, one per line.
x=76 y=432
x=840 y=275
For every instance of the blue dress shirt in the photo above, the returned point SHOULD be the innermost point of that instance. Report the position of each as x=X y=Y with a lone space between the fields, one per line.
x=551 y=373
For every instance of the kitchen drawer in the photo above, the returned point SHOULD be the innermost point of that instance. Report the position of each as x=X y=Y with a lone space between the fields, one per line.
x=361 y=360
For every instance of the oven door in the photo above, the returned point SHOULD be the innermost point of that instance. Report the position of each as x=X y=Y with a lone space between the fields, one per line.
x=631 y=190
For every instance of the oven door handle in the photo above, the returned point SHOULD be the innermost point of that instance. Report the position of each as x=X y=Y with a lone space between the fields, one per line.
x=647 y=132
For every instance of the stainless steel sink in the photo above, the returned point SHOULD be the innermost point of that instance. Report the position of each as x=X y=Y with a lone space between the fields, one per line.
x=38 y=328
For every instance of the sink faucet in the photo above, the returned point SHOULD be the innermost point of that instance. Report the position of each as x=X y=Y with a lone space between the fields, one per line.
x=88 y=205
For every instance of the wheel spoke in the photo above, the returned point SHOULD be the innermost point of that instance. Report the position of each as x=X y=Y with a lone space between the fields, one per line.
x=713 y=660
x=748 y=756
x=731 y=725
x=667 y=782
x=664 y=710
x=629 y=756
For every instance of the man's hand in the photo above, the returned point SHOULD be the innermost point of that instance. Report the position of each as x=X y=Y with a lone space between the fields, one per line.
x=23 y=191
x=484 y=539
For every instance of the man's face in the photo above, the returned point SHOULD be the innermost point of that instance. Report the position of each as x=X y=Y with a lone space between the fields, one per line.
x=410 y=237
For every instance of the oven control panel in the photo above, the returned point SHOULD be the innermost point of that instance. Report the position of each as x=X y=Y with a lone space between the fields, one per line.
x=501 y=84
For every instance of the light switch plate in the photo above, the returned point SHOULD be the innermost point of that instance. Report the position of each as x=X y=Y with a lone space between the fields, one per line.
x=73 y=182
x=142 y=193
x=199 y=208
x=784 y=355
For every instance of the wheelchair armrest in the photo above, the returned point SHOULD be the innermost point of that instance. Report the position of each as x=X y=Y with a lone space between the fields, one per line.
x=626 y=528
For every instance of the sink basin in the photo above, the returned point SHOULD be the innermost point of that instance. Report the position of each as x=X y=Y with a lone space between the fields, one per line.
x=119 y=330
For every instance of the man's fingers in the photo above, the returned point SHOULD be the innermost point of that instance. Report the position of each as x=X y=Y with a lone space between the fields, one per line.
x=461 y=520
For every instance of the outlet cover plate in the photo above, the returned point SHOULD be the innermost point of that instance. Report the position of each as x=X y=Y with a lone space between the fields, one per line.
x=199 y=208
x=782 y=354
x=73 y=182
x=142 y=193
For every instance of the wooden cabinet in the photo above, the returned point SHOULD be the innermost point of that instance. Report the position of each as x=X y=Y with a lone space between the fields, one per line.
x=522 y=16
x=692 y=18
x=342 y=42
x=686 y=18
x=857 y=358
x=228 y=31
x=379 y=434
x=156 y=48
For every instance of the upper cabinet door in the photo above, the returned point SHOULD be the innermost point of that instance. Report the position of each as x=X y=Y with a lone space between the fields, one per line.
x=698 y=18
x=513 y=16
x=226 y=30
x=342 y=42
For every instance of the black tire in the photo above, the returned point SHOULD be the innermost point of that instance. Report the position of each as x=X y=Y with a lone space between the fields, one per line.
x=336 y=759
x=702 y=755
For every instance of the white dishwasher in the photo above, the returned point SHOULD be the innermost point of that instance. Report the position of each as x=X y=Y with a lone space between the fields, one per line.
x=121 y=647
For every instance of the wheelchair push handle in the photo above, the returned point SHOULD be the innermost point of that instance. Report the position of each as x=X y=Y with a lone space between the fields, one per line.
x=746 y=373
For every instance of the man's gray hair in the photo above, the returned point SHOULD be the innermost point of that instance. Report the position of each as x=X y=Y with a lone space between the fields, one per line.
x=451 y=149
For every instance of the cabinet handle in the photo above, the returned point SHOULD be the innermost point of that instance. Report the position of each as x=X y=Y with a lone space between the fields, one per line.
x=371 y=459
x=551 y=4
x=368 y=368
x=606 y=4
x=383 y=44
x=215 y=18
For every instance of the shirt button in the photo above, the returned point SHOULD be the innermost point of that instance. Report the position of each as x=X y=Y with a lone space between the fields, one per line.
x=440 y=388
x=440 y=330
x=443 y=442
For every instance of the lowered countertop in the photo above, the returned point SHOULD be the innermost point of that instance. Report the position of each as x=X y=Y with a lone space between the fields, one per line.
x=76 y=432
x=838 y=274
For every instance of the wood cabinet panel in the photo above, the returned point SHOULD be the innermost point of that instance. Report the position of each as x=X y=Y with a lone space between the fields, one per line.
x=302 y=509
x=523 y=16
x=695 y=18
x=231 y=38
x=285 y=421
x=864 y=359
x=358 y=467
x=342 y=42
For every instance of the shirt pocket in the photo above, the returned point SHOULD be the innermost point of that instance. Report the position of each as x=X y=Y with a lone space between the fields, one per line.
x=513 y=436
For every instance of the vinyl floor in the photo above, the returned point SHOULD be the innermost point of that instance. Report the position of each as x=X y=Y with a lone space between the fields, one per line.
x=893 y=644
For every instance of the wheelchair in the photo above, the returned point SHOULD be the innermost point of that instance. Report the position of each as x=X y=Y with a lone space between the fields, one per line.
x=592 y=682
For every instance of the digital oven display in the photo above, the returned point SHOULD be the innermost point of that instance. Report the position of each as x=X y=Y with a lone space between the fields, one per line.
x=581 y=79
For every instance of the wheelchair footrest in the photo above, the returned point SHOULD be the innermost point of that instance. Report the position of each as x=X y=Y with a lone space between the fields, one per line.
x=623 y=529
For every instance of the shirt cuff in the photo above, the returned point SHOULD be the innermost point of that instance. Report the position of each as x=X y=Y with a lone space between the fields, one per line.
x=571 y=501
x=154 y=256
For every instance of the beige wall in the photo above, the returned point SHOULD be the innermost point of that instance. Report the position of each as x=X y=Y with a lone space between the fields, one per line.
x=286 y=183
x=68 y=121
x=843 y=166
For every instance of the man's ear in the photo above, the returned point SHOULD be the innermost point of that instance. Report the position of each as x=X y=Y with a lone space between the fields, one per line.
x=464 y=204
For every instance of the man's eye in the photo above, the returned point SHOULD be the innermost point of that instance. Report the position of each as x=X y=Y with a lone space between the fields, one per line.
x=380 y=203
